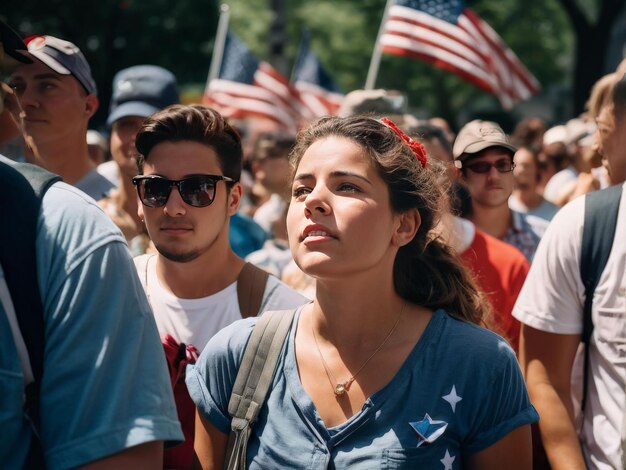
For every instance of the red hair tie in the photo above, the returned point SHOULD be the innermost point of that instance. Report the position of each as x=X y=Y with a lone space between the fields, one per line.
x=416 y=147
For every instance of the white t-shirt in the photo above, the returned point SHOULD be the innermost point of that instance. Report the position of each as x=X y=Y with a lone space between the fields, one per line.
x=552 y=300
x=195 y=321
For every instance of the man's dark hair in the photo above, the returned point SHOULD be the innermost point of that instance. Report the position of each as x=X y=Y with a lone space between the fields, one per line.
x=194 y=123
x=429 y=132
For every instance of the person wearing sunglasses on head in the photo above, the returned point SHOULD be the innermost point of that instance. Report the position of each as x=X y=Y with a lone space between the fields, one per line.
x=484 y=154
x=190 y=162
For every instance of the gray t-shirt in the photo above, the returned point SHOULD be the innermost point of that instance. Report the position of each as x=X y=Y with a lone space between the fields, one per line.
x=94 y=185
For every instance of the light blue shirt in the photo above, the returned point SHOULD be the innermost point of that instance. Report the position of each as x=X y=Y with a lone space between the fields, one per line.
x=459 y=391
x=105 y=385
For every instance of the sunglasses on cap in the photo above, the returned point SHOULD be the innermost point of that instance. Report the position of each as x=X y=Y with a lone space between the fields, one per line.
x=504 y=165
x=195 y=190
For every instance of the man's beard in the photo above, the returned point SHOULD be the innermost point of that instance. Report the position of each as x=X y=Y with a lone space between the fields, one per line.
x=178 y=257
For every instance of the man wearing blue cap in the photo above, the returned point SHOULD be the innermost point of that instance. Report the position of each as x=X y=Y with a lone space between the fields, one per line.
x=83 y=382
x=59 y=96
x=138 y=92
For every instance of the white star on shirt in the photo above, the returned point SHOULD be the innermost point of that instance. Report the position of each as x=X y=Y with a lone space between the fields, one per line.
x=452 y=398
x=447 y=460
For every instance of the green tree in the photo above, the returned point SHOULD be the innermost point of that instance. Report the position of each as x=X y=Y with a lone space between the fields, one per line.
x=343 y=36
x=114 y=34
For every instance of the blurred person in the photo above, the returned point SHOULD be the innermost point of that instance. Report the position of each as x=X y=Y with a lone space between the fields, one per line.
x=379 y=102
x=559 y=160
x=92 y=391
x=271 y=171
x=484 y=155
x=600 y=94
x=59 y=96
x=525 y=197
x=529 y=133
x=559 y=188
x=550 y=307
x=274 y=256
x=593 y=174
x=444 y=125
x=190 y=162
x=138 y=92
x=393 y=327
x=97 y=147
x=498 y=268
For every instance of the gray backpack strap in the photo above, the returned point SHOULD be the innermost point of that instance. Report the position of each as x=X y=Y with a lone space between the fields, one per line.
x=250 y=289
x=253 y=381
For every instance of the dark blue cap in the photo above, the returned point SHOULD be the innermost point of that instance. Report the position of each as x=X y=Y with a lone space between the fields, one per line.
x=63 y=57
x=141 y=91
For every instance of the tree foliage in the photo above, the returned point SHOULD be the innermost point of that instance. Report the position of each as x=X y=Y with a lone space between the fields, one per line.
x=344 y=34
x=179 y=36
x=114 y=34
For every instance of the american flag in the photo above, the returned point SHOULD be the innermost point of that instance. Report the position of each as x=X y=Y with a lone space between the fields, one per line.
x=247 y=86
x=452 y=37
x=318 y=91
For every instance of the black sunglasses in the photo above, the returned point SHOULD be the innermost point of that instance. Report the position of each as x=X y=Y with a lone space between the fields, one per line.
x=195 y=190
x=504 y=165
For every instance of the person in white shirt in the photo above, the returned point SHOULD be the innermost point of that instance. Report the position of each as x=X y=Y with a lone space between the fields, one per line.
x=550 y=306
x=190 y=162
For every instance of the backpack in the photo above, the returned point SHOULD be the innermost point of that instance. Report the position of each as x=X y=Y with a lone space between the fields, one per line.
x=22 y=187
x=254 y=378
x=251 y=284
x=601 y=211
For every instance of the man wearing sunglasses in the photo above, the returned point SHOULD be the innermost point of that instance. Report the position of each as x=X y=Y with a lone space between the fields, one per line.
x=190 y=162
x=102 y=397
x=484 y=155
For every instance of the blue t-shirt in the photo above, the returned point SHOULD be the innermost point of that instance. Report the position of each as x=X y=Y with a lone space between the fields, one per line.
x=105 y=386
x=459 y=391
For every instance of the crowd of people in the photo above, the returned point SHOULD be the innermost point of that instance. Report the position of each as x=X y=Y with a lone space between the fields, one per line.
x=438 y=281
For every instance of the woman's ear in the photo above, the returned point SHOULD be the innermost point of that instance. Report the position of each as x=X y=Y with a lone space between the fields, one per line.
x=407 y=225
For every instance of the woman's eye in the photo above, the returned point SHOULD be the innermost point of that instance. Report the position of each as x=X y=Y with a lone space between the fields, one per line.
x=301 y=191
x=347 y=187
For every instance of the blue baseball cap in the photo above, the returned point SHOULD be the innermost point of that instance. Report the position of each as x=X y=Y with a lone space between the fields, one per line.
x=63 y=57
x=141 y=91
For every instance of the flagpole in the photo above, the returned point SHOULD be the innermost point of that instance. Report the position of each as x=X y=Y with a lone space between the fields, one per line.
x=304 y=41
x=372 y=73
x=220 y=41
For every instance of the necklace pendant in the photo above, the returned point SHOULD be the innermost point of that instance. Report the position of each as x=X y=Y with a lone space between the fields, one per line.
x=340 y=389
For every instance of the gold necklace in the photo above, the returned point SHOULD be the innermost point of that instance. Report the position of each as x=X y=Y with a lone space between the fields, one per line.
x=340 y=388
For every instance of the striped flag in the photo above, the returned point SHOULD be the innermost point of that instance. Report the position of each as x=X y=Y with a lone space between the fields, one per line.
x=318 y=91
x=452 y=37
x=247 y=86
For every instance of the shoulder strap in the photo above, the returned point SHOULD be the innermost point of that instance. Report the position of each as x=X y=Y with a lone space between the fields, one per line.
x=22 y=186
x=601 y=211
x=253 y=381
x=250 y=289
x=21 y=191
